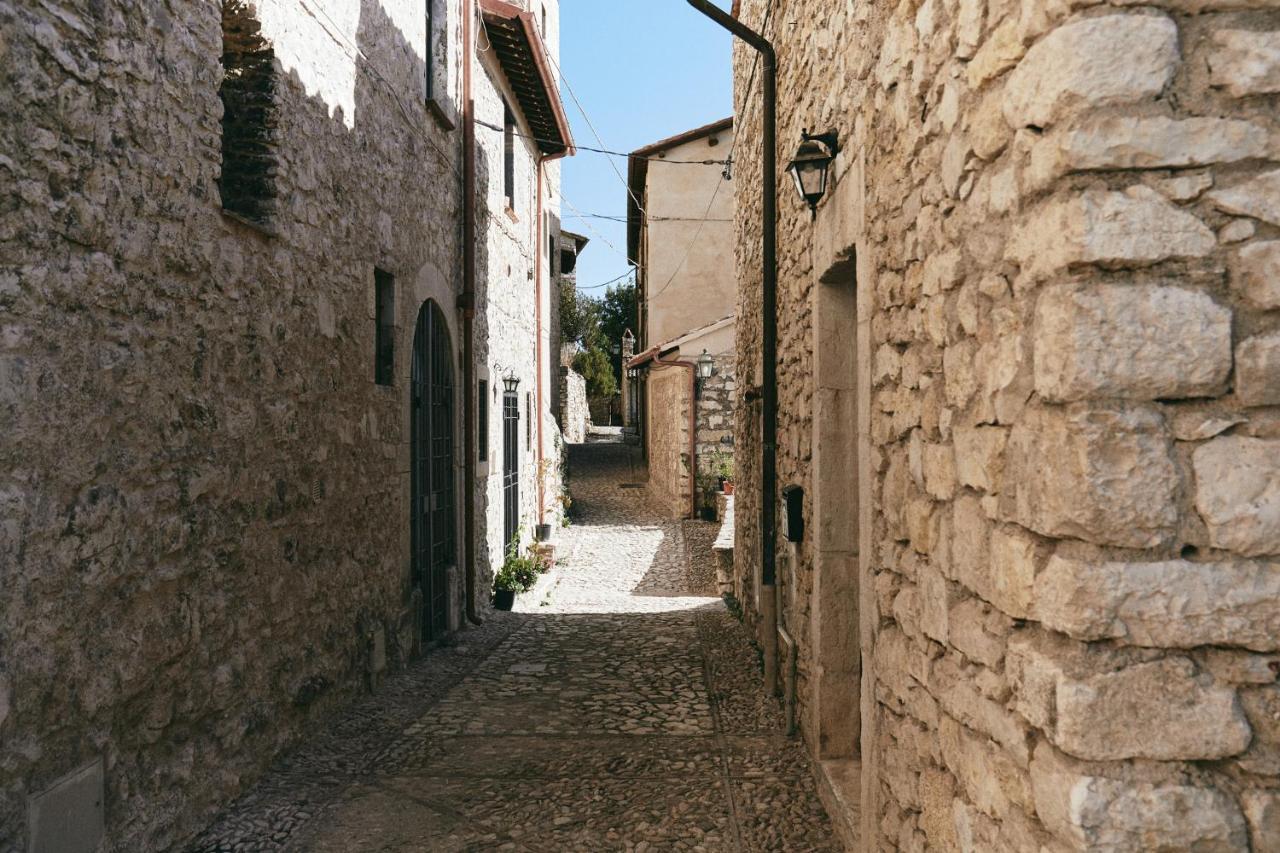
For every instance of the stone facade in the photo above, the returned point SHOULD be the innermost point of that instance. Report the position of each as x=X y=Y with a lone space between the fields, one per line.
x=514 y=337
x=206 y=543
x=575 y=415
x=1027 y=379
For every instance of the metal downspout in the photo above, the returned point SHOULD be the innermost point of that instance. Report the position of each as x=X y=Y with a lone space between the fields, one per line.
x=769 y=322
x=468 y=300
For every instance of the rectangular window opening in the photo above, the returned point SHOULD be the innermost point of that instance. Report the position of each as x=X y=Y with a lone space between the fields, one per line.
x=482 y=420
x=509 y=155
x=384 y=327
x=430 y=52
x=249 y=116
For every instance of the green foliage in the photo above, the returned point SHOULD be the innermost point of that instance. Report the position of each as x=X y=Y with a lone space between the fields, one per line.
x=596 y=326
x=519 y=572
x=721 y=464
x=593 y=364
x=617 y=313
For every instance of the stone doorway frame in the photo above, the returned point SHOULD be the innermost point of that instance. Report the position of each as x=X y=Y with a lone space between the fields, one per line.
x=842 y=608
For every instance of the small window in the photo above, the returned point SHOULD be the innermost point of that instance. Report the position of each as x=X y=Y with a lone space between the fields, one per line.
x=248 y=91
x=482 y=420
x=528 y=423
x=384 y=327
x=544 y=20
x=509 y=155
x=433 y=53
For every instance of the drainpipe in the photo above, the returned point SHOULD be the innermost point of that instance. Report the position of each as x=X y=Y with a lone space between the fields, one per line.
x=537 y=367
x=769 y=344
x=468 y=304
x=693 y=427
x=537 y=255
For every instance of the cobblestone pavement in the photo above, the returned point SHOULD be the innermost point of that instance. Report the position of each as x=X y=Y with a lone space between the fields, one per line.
x=624 y=714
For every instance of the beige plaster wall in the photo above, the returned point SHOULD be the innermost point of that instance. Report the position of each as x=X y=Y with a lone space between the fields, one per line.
x=688 y=263
x=667 y=428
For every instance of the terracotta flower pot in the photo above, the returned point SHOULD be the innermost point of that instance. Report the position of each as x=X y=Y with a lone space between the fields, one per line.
x=728 y=487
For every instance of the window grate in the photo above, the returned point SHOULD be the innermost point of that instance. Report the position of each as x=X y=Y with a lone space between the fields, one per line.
x=384 y=327
x=249 y=115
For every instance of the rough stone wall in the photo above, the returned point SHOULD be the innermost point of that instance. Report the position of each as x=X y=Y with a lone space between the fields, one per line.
x=715 y=409
x=667 y=427
x=576 y=415
x=1068 y=268
x=200 y=479
x=511 y=256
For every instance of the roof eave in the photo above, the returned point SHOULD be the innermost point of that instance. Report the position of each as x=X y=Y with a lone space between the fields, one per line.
x=535 y=54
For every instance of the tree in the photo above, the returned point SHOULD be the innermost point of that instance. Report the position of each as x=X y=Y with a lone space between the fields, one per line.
x=596 y=326
x=593 y=364
x=617 y=313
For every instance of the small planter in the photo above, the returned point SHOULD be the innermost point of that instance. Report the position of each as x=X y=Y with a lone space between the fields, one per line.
x=542 y=532
x=707 y=513
x=720 y=484
x=504 y=599
x=728 y=487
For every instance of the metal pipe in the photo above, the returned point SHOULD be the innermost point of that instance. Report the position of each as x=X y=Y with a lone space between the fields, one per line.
x=769 y=321
x=537 y=348
x=468 y=302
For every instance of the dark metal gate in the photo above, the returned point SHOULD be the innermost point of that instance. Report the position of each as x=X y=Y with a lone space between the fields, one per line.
x=510 y=466
x=432 y=520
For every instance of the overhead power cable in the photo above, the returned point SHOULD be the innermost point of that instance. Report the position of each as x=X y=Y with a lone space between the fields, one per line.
x=577 y=147
x=355 y=53
x=647 y=219
x=626 y=274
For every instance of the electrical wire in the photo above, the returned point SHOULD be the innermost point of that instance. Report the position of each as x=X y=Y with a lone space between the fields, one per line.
x=589 y=227
x=373 y=68
x=532 y=138
x=647 y=219
x=626 y=274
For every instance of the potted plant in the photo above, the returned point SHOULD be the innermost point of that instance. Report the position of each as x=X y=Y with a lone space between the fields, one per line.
x=707 y=489
x=724 y=471
x=518 y=574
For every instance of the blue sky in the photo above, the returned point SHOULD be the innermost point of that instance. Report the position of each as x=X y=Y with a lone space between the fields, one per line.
x=643 y=70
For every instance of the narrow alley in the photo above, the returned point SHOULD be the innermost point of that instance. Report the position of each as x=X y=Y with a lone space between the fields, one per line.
x=622 y=712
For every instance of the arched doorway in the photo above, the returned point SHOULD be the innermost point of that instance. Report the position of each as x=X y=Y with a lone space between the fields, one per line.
x=431 y=464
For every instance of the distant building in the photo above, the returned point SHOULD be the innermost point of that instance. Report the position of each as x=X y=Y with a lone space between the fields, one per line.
x=680 y=236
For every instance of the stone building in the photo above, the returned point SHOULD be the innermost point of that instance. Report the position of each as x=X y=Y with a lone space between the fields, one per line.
x=232 y=374
x=680 y=236
x=521 y=130
x=1029 y=378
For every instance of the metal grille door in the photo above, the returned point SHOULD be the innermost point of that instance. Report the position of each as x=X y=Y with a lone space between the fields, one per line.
x=510 y=466
x=432 y=520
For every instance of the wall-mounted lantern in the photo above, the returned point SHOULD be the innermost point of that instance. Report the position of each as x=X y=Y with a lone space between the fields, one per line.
x=510 y=383
x=633 y=373
x=706 y=365
x=812 y=164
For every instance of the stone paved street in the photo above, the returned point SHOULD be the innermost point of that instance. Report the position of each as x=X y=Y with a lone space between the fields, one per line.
x=622 y=713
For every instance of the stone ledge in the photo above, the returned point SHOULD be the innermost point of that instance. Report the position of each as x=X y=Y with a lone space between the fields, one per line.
x=840 y=789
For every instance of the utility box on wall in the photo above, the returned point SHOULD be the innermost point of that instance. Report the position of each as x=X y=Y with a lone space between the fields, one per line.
x=793 y=513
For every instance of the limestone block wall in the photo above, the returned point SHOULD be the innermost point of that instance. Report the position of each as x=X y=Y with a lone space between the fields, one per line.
x=200 y=553
x=715 y=408
x=575 y=415
x=1063 y=220
x=514 y=289
x=667 y=428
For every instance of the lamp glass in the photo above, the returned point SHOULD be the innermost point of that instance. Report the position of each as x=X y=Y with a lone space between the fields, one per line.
x=706 y=365
x=809 y=170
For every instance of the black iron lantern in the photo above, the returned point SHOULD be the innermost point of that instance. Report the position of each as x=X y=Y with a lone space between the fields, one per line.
x=511 y=383
x=706 y=365
x=812 y=164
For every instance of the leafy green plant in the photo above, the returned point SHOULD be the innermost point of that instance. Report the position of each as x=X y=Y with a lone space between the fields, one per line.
x=721 y=465
x=519 y=572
